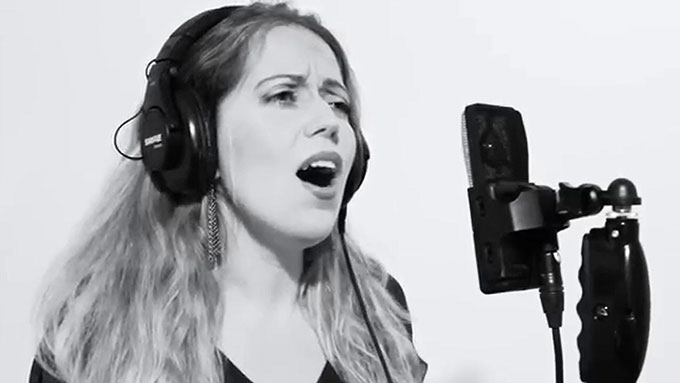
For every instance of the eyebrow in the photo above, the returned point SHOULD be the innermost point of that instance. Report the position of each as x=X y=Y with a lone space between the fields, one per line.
x=295 y=78
x=298 y=80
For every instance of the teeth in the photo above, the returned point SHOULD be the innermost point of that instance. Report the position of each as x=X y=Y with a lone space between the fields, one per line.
x=322 y=164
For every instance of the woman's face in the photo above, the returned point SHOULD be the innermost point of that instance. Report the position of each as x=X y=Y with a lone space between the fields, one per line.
x=284 y=139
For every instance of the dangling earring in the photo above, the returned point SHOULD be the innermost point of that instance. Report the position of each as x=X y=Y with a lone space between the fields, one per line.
x=214 y=247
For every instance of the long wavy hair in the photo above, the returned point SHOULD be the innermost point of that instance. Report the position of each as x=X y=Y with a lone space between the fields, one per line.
x=132 y=299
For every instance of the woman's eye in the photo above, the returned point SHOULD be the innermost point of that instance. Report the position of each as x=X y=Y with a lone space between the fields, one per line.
x=340 y=106
x=286 y=97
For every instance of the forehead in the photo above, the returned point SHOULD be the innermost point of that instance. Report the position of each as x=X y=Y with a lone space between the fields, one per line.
x=292 y=50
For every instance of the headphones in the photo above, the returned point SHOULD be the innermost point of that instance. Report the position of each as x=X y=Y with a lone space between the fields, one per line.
x=177 y=132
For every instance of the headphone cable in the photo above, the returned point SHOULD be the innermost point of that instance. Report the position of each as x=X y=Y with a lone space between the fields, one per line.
x=115 y=137
x=362 y=304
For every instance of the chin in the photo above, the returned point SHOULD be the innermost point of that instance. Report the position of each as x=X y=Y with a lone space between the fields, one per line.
x=310 y=231
x=311 y=241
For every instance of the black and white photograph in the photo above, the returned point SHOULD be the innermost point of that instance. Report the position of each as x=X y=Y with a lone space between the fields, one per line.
x=327 y=191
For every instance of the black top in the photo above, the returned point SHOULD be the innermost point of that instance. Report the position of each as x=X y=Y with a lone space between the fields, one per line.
x=233 y=374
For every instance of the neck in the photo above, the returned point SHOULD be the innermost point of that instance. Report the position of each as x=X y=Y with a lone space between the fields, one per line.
x=261 y=275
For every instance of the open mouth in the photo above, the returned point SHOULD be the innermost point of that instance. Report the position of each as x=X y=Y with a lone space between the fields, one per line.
x=320 y=169
x=320 y=173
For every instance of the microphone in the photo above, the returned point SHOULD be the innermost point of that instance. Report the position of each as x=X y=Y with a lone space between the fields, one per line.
x=514 y=222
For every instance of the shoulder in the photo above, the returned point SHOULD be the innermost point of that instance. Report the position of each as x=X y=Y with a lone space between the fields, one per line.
x=394 y=288
x=397 y=293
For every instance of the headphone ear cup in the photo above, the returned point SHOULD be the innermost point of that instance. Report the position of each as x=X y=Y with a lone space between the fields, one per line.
x=192 y=177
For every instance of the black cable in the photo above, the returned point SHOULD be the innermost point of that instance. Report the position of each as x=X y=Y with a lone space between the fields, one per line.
x=557 y=344
x=551 y=292
x=150 y=65
x=362 y=304
x=115 y=137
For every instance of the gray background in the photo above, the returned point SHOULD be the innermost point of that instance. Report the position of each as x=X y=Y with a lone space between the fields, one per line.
x=597 y=83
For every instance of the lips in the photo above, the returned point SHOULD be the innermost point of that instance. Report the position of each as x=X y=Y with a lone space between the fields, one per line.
x=323 y=156
x=319 y=171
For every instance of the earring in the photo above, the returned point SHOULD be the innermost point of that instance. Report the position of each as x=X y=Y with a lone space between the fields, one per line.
x=214 y=247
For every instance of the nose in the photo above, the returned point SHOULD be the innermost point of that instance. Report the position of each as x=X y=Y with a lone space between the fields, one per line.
x=325 y=121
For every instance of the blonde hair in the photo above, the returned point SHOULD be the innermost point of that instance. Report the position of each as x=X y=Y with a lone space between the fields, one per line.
x=133 y=299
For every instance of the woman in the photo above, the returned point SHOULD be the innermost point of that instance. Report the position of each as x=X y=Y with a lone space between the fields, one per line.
x=241 y=278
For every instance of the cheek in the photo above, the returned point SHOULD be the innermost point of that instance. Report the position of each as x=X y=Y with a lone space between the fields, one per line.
x=252 y=159
x=242 y=141
x=349 y=145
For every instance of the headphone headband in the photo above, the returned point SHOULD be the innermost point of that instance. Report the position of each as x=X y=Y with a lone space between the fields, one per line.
x=179 y=42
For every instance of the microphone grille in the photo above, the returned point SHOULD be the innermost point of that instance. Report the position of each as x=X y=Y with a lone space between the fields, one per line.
x=466 y=150
x=494 y=144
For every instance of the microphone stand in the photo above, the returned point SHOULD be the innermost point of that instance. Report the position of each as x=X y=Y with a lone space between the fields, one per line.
x=615 y=304
x=518 y=224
